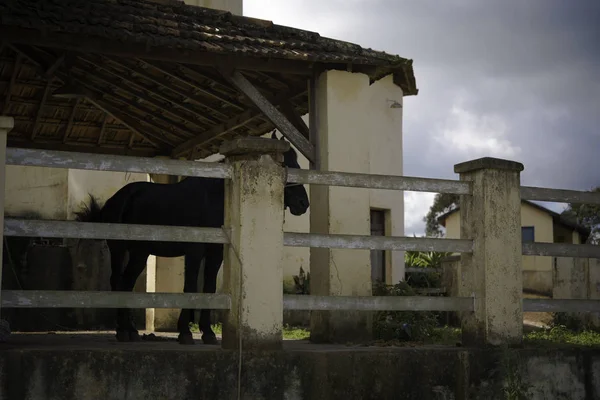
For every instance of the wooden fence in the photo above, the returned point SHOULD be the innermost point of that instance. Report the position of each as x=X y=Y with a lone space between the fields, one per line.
x=465 y=188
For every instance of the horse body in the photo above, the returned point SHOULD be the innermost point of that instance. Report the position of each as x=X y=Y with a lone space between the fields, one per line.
x=194 y=201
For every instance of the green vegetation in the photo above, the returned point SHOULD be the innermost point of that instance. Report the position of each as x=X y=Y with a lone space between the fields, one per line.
x=289 y=332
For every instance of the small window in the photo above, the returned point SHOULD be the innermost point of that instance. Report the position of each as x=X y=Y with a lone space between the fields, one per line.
x=527 y=234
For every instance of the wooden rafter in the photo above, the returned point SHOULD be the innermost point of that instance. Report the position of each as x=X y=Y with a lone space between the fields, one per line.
x=158 y=94
x=38 y=116
x=215 y=79
x=11 y=85
x=273 y=114
x=69 y=126
x=149 y=114
x=89 y=44
x=103 y=129
x=215 y=132
x=185 y=81
x=130 y=123
x=288 y=109
x=18 y=141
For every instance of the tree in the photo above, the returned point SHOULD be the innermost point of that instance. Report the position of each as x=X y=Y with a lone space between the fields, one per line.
x=442 y=203
x=587 y=215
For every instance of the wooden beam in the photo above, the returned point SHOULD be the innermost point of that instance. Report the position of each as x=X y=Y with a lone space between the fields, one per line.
x=52 y=68
x=215 y=132
x=11 y=85
x=150 y=114
x=38 y=116
x=162 y=96
x=126 y=121
x=20 y=141
x=186 y=82
x=229 y=126
x=102 y=130
x=167 y=85
x=123 y=116
x=274 y=115
x=288 y=109
x=69 y=126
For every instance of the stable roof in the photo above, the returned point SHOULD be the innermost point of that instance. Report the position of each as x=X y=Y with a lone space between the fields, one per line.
x=149 y=78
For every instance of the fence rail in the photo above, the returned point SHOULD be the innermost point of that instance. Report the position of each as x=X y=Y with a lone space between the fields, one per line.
x=559 y=195
x=104 y=162
x=92 y=230
x=561 y=250
x=391 y=182
x=105 y=299
x=96 y=299
x=377 y=242
x=376 y=303
x=561 y=305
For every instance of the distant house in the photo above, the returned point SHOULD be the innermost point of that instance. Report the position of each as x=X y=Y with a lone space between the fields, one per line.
x=538 y=224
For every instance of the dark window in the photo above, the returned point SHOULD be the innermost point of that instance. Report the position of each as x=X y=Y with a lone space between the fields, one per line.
x=378 y=256
x=528 y=234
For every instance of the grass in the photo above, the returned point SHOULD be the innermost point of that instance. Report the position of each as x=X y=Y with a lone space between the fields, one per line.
x=289 y=332
x=450 y=336
x=560 y=335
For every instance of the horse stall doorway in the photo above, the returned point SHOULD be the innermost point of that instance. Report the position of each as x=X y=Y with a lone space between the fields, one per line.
x=378 y=257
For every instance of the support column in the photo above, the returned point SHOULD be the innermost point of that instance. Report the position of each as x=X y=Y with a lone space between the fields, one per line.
x=253 y=270
x=343 y=145
x=491 y=217
x=6 y=125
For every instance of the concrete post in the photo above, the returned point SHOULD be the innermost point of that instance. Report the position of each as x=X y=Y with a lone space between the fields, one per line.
x=253 y=270
x=341 y=101
x=493 y=272
x=6 y=125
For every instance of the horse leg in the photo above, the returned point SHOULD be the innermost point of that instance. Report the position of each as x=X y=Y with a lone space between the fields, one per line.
x=126 y=331
x=212 y=264
x=117 y=256
x=190 y=285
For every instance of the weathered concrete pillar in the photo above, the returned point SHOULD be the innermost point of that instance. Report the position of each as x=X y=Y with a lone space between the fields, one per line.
x=493 y=272
x=6 y=125
x=343 y=145
x=253 y=270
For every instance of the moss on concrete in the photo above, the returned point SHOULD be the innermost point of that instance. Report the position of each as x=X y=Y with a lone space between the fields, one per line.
x=47 y=368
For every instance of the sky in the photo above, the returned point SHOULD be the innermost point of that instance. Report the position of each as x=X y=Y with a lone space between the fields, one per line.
x=512 y=79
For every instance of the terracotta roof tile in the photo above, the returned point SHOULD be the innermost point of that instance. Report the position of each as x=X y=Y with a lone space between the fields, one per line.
x=172 y=23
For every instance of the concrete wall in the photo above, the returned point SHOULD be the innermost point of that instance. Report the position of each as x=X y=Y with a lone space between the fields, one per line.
x=537 y=270
x=165 y=370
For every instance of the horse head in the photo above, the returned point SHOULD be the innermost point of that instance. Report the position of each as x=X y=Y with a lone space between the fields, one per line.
x=294 y=196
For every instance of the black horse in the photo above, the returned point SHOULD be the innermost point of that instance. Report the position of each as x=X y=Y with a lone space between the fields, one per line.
x=194 y=201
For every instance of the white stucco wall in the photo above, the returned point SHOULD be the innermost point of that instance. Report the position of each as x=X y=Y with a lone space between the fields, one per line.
x=43 y=191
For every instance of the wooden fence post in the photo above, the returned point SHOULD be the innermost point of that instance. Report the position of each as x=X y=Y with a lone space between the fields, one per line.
x=491 y=217
x=6 y=125
x=253 y=271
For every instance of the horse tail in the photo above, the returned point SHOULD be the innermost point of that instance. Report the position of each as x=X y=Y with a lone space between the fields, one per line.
x=91 y=212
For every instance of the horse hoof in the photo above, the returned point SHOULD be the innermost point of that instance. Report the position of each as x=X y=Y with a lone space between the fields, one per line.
x=209 y=339
x=134 y=336
x=185 y=338
x=128 y=336
x=122 y=336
